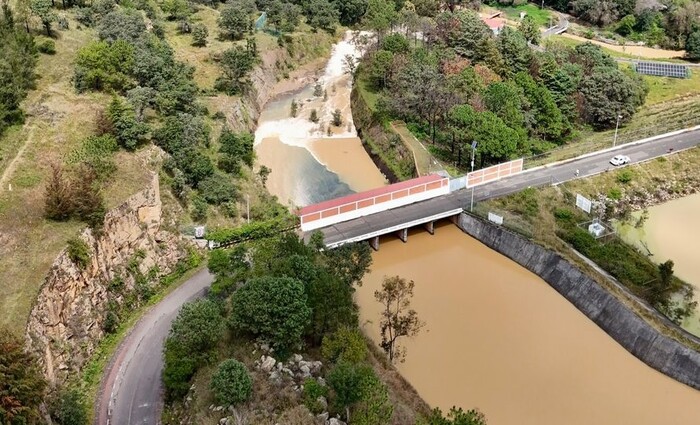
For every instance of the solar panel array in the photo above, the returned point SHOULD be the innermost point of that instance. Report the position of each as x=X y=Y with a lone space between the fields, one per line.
x=663 y=69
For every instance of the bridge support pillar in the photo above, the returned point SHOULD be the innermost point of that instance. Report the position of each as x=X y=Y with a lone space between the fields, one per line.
x=455 y=219
x=374 y=243
x=403 y=235
x=430 y=227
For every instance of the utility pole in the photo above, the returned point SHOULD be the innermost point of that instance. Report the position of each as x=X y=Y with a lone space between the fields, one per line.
x=247 y=207
x=471 y=207
x=619 y=117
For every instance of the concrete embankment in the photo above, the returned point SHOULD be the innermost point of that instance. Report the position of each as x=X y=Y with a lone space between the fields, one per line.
x=637 y=336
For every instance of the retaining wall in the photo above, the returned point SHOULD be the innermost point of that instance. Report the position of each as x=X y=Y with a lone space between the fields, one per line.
x=662 y=353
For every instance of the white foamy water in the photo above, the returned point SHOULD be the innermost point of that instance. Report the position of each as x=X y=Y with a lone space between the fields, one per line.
x=299 y=131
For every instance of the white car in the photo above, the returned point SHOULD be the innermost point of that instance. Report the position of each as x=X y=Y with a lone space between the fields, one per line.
x=620 y=160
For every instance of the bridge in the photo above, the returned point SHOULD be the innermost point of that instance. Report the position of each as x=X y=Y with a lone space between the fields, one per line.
x=455 y=195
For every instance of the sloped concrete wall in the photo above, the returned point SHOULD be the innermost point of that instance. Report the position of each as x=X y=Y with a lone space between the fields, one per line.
x=662 y=353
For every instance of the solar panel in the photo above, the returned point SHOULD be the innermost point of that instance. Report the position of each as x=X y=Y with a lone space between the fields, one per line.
x=663 y=69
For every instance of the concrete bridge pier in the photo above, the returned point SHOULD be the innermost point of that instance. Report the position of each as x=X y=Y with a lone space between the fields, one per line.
x=430 y=227
x=403 y=235
x=374 y=243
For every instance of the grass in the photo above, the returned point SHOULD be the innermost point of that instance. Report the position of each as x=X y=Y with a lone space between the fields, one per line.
x=96 y=367
x=541 y=16
x=57 y=120
x=662 y=89
x=368 y=94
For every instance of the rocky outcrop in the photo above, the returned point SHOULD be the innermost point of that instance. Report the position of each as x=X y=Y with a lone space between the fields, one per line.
x=635 y=334
x=68 y=318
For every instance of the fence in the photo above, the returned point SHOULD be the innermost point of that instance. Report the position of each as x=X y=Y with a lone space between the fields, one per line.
x=495 y=172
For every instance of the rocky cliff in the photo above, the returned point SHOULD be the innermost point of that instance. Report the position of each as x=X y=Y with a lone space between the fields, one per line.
x=635 y=334
x=68 y=318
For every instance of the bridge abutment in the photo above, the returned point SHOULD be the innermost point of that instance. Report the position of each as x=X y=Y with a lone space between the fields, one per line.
x=374 y=243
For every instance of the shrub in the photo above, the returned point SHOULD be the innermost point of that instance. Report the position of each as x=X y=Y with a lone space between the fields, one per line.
x=200 y=209
x=312 y=391
x=79 y=252
x=563 y=214
x=68 y=409
x=344 y=344
x=313 y=117
x=625 y=176
x=217 y=189
x=46 y=46
x=615 y=193
x=231 y=383
x=199 y=35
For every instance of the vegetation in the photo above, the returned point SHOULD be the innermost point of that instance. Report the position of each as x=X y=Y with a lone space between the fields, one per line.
x=79 y=252
x=21 y=382
x=231 y=383
x=464 y=84
x=397 y=318
x=17 y=73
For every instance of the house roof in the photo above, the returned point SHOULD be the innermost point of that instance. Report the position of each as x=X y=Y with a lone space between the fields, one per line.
x=494 y=23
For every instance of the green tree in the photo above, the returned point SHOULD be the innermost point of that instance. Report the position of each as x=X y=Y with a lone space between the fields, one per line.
x=234 y=21
x=236 y=63
x=217 y=189
x=294 y=108
x=351 y=11
x=284 y=16
x=467 y=35
x=194 y=332
x=692 y=45
x=69 y=408
x=345 y=344
x=514 y=51
x=380 y=15
x=395 y=43
x=128 y=131
x=127 y=25
x=548 y=122
x=348 y=382
x=176 y=10
x=348 y=263
x=626 y=25
x=42 y=9
x=374 y=407
x=273 y=309
x=609 y=92
x=505 y=100
x=199 y=35
x=140 y=98
x=379 y=67
x=398 y=319
x=321 y=14
x=231 y=383
x=313 y=116
x=235 y=149
x=530 y=30
x=100 y=65
x=21 y=382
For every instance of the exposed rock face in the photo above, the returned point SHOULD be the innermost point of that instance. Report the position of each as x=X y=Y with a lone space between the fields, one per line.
x=67 y=320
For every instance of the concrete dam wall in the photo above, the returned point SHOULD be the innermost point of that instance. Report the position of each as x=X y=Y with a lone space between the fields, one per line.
x=662 y=353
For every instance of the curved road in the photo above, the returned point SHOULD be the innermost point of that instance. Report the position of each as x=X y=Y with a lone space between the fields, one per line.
x=131 y=391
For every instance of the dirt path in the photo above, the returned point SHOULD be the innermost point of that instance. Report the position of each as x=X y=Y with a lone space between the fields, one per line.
x=425 y=162
x=13 y=164
x=642 y=51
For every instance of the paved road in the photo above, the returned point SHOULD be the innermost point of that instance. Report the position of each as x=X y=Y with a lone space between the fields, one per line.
x=550 y=174
x=131 y=391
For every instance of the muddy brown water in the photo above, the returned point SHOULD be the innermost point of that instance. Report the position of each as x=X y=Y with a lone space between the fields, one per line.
x=500 y=339
x=672 y=231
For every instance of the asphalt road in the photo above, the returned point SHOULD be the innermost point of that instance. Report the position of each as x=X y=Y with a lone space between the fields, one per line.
x=131 y=391
x=547 y=175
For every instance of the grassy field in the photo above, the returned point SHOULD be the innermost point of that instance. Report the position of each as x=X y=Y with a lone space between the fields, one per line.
x=542 y=17
x=57 y=120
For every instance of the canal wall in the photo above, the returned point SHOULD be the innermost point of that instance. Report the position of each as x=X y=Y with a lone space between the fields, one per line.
x=635 y=334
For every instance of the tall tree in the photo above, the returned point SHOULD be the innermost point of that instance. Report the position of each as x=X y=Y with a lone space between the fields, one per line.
x=530 y=30
x=236 y=63
x=284 y=16
x=234 y=22
x=43 y=10
x=321 y=14
x=398 y=319
x=514 y=51
x=607 y=93
x=380 y=15
x=351 y=11
x=21 y=383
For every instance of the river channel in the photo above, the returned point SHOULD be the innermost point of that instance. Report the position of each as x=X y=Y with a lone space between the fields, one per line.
x=497 y=337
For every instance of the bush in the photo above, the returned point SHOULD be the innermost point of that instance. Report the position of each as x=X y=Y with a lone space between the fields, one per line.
x=68 y=409
x=344 y=344
x=46 y=46
x=312 y=391
x=217 y=189
x=563 y=214
x=200 y=208
x=625 y=176
x=615 y=194
x=79 y=252
x=314 y=116
x=231 y=383
x=199 y=35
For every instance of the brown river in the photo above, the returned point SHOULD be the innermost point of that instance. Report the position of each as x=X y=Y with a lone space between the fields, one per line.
x=500 y=339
